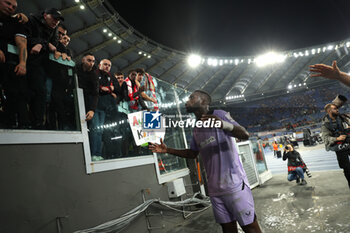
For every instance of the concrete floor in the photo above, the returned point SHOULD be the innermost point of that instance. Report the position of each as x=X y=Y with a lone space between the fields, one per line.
x=323 y=205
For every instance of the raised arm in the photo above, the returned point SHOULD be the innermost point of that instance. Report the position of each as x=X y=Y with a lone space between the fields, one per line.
x=285 y=155
x=236 y=130
x=330 y=72
x=162 y=148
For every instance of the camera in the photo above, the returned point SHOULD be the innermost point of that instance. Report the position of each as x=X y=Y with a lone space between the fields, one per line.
x=339 y=101
x=287 y=147
x=308 y=173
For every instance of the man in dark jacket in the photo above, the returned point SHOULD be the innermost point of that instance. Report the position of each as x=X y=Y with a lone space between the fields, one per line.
x=62 y=85
x=13 y=67
x=42 y=33
x=106 y=106
x=295 y=165
x=88 y=81
x=121 y=89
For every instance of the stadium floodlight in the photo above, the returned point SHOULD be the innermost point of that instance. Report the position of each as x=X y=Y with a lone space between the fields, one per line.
x=114 y=38
x=231 y=61
x=290 y=86
x=76 y=1
x=295 y=85
x=236 y=61
x=221 y=62
x=299 y=84
x=149 y=56
x=140 y=52
x=226 y=61
x=348 y=44
x=318 y=50
x=110 y=34
x=194 y=60
x=269 y=59
x=313 y=51
x=330 y=47
x=249 y=61
x=105 y=30
x=119 y=41
x=215 y=62
x=82 y=7
x=295 y=55
x=210 y=61
x=304 y=84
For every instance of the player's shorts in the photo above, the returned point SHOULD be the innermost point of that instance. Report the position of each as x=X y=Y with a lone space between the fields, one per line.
x=237 y=206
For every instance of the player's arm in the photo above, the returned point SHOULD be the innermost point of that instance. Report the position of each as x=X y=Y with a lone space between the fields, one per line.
x=236 y=130
x=162 y=148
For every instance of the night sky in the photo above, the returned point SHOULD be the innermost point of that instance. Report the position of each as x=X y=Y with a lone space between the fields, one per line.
x=238 y=28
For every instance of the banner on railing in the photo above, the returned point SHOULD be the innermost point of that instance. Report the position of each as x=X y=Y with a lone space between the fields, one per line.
x=141 y=135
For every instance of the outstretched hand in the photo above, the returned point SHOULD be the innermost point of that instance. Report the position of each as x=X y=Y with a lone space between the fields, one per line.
x=322 y=70
x=158 y=148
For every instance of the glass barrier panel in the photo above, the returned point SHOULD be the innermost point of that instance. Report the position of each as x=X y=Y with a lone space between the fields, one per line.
x=174 y=137
x=259 y=156
x=111 y=136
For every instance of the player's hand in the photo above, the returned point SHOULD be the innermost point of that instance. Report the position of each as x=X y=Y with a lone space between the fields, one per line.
x=322 y=70
x=213 y=117
x=89 y=115
x=158 y=148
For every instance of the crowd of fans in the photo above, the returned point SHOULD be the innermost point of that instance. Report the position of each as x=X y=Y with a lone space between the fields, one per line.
x=37 y=83
x=289 y=111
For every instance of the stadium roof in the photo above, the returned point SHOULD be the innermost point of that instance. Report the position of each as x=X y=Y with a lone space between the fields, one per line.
x=95 y=26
